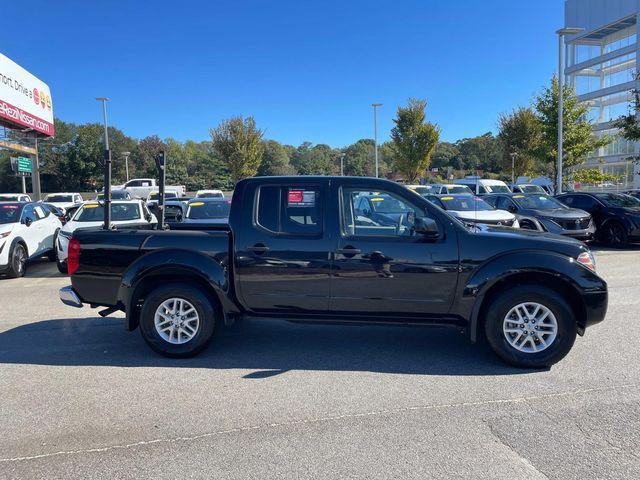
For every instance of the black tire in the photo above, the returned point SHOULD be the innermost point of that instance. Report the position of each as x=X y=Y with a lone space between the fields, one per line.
x=52 y=255
x=615 y=234
x=17 y=261
x=504 y=301
x=62 y=267
x=205 y=310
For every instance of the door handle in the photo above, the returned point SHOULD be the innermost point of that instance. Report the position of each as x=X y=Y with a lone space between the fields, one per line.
x=258 y=248
x=349 y=251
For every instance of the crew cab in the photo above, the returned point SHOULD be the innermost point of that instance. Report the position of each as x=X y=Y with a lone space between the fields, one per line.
x=142 y=187
x=296 y=249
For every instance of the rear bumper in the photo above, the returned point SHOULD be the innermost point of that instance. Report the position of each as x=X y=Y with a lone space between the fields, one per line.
x=68 y=296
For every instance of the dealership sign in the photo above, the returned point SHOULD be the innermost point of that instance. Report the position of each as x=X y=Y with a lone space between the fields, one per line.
x=25 y=101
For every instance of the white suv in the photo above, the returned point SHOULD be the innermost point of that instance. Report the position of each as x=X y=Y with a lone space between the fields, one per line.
x=27 y=231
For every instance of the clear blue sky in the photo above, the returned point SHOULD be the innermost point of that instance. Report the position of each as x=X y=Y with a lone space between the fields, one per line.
x=306 y=70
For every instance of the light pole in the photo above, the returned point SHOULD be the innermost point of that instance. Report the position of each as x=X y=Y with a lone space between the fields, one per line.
x=561 y=33
x=126 y=163
x=107 y=167
x=342 y=164
x=513 y=167
x=375 y=134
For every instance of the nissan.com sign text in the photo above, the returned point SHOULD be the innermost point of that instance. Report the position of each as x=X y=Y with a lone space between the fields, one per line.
x=25 y=101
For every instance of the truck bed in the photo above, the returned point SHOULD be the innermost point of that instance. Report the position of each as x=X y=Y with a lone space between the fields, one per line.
x=105 y=256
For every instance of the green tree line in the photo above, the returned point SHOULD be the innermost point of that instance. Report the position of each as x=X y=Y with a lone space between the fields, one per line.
x=72 y=161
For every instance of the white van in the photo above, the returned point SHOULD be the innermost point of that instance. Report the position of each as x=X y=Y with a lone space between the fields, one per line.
x=483 y=186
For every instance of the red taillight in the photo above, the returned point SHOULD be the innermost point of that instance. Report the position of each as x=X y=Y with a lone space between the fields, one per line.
x=73 y=256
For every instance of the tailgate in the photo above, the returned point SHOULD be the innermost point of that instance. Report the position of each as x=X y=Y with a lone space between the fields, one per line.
x=104 y=256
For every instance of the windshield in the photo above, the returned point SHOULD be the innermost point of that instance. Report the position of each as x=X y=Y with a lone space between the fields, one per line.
x=539 y=202
x=210 y=195
x=465 y=204
x=420 y=190
x=618 y=200
x=455 y=189
x=208 y=210
x=59 y=198
x=531 y=188
x=92 y=212
x=8 y=198
x=9 y=213
x=499 y=189
x=387 y=205
x=156 y=195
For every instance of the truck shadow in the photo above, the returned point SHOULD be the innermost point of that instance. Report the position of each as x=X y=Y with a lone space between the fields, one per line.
x=266 y=347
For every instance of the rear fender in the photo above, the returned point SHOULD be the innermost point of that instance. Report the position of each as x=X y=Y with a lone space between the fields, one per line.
x=164 y=264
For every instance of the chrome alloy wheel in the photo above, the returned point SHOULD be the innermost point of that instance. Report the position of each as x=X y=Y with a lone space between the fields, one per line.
x=176 y=321
x=530 y=327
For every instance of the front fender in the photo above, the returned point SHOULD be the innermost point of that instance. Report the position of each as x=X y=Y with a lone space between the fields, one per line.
x=163 y=263
x=547 y=264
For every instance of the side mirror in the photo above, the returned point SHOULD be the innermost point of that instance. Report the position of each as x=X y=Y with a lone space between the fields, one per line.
x=28 y=221
x=147 y=217
x=426 y=226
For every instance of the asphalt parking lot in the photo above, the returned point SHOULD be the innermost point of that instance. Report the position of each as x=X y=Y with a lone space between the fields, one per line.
x=83 y=398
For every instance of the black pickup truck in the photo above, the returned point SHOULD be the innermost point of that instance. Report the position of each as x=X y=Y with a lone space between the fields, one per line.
x=306 y=249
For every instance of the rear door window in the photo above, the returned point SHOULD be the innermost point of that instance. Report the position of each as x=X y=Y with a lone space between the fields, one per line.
x=292 y=210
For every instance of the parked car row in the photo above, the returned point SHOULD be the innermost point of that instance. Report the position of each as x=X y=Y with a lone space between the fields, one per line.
x=611 y=218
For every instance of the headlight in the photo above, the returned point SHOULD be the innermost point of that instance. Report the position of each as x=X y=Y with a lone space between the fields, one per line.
x=586 y=260
x=516 y=224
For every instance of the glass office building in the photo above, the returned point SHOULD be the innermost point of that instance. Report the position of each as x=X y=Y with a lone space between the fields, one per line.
x=601 y=66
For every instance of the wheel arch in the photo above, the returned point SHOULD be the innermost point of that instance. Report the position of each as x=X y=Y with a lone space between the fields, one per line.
x=545 y=268
x=192 y=268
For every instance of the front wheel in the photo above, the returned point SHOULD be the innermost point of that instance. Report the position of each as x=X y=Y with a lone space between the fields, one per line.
x=17 y=261
x=530 y=326
x=177 y=320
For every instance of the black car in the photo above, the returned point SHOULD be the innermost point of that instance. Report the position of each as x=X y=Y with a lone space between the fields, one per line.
x=544 y=213
x=175 y=209
x=294 y=249
x=616 y=216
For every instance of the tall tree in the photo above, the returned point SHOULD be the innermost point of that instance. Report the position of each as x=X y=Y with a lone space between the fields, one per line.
x=520 y=134
x=578 y=138
x=142 y=162
x=414 y=139
x=314 y=160
x=275 y=160
x=238 y=141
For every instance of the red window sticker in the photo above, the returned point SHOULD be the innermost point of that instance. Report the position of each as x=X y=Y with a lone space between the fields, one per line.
x=295 y=196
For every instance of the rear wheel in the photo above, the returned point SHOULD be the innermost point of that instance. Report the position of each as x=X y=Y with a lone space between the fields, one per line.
x=530 y=326
x=615 y=235
x=177 y=320
x=17 y=261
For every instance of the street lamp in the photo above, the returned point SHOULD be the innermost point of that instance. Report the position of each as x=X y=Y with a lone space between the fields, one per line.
x=375 y=133
x=561 y=33
x=513 y=167
x=342 y=164
x=126 y=163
